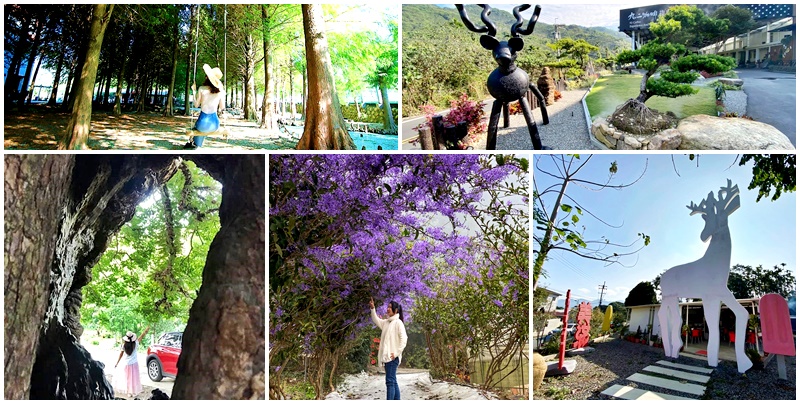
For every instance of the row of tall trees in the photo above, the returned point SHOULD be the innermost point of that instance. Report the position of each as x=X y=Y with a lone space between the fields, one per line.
x=150 y=55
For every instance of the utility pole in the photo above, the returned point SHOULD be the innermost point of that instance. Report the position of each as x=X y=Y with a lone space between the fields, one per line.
x=602 y=291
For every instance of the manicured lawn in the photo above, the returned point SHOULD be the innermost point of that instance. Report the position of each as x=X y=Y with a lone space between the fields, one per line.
x=611 y=91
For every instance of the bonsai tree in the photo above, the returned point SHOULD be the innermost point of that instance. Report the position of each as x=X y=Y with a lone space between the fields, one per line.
x=674 y=81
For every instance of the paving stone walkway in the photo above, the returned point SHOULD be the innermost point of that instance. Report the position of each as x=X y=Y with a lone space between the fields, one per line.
x=685 y=381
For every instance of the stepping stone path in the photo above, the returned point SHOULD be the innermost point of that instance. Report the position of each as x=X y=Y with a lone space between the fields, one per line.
x=688 y=380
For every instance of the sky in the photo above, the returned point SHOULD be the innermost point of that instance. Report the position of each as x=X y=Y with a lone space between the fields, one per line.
x=762 y=233
x=587 y=15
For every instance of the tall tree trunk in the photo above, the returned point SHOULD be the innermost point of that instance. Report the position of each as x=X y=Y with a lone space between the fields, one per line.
x=107 y=91
x=388 y=120
x=168 y=110
x=292 y=107
x=31 y=223
x=250 y=88
x=32 y=86
x=304 y=96
x=192 y=39
x=267 y=119
x=68 y=91
x=56 y=79
x=32 y=58
x=120 y=77
x=224 y=341
x=80 y=122
x=324 y=126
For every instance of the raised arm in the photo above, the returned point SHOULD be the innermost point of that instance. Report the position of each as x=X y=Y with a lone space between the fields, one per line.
x=375 y=319
x=144 y=332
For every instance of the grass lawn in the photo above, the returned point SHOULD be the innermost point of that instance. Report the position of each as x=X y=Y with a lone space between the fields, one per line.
x=611 y=91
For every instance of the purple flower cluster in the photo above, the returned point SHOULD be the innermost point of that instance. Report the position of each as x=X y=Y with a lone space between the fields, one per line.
x=344 y=228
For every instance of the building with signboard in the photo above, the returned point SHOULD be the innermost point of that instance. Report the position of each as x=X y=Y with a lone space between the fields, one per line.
x=773 y=42
x=774 y=39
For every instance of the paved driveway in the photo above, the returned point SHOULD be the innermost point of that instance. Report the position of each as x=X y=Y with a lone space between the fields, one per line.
x=772 y=99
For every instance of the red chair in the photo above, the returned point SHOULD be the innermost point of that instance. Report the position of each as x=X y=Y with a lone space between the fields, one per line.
x=750 y=339
x=695 y=335
x=731 y=337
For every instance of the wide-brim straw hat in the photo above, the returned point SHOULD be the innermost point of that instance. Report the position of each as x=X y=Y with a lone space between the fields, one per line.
x=214 y=75
x=130 y=336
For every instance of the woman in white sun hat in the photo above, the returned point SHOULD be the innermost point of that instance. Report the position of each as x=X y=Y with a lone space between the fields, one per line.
x=127 y=379
x=210 y=97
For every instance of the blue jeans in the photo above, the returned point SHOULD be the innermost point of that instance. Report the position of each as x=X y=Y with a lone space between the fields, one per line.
x=392 y=389
x=207 y=122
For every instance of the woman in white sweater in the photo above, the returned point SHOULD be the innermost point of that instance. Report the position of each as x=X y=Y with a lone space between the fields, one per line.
x=393 y=341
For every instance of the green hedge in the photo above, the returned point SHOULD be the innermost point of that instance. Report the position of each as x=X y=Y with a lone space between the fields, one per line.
x=368 y=114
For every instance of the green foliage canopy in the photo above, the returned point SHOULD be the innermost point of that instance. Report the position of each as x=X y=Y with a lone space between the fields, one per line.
x=138 y=280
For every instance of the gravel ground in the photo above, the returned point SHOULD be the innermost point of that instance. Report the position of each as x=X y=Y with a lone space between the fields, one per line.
x=567 y=129
x=413 y=386
x=736 y=102
x=612 y=362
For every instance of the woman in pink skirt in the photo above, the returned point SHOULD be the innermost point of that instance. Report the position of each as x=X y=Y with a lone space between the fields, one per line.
x=127 y=380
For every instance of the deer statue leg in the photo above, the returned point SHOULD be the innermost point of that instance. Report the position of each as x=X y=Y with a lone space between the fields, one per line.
x=532 y=129
x=542 y=103
x=711 y=313
x=506 y=114
x=663 y=321
x=741 y=327
x=673 y=325
x=491 y=137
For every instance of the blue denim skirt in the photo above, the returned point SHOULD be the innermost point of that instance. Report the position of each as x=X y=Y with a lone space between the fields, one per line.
x=207 y=123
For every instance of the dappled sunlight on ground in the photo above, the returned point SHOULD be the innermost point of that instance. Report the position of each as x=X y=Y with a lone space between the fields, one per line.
x=40 y=129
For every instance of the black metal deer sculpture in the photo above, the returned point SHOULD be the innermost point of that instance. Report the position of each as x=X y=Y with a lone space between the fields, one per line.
x=507 y=83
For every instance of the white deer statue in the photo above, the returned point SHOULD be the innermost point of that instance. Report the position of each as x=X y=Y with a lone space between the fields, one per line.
x=706 y=278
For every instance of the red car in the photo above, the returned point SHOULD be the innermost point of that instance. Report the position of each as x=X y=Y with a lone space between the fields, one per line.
x=162 y=357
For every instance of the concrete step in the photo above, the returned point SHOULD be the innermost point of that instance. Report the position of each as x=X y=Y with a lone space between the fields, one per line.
x=694 y=356
x=685 y=387
x=686 y=367
x=631 y=393
x=677 y=374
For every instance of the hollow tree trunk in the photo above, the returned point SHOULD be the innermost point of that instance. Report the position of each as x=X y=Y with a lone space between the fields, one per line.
x=324 y=127
x=80 y=122
x=75 y=204
x=31 y=221
x=224 y=341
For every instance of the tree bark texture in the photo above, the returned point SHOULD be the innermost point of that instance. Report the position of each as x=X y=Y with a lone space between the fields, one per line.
x=324 y=127
x=80 y=122
x=31 y=222
x=224 y=341
x=250 y=82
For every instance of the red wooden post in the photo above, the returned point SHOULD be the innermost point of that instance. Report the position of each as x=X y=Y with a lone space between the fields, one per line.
x=563 y=344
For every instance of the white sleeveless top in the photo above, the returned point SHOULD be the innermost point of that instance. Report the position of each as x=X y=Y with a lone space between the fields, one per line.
x=208 y=101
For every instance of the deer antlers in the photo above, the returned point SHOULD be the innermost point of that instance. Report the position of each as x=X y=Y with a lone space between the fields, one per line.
x=515 y=28
x=728 y=201
x=490 y=27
